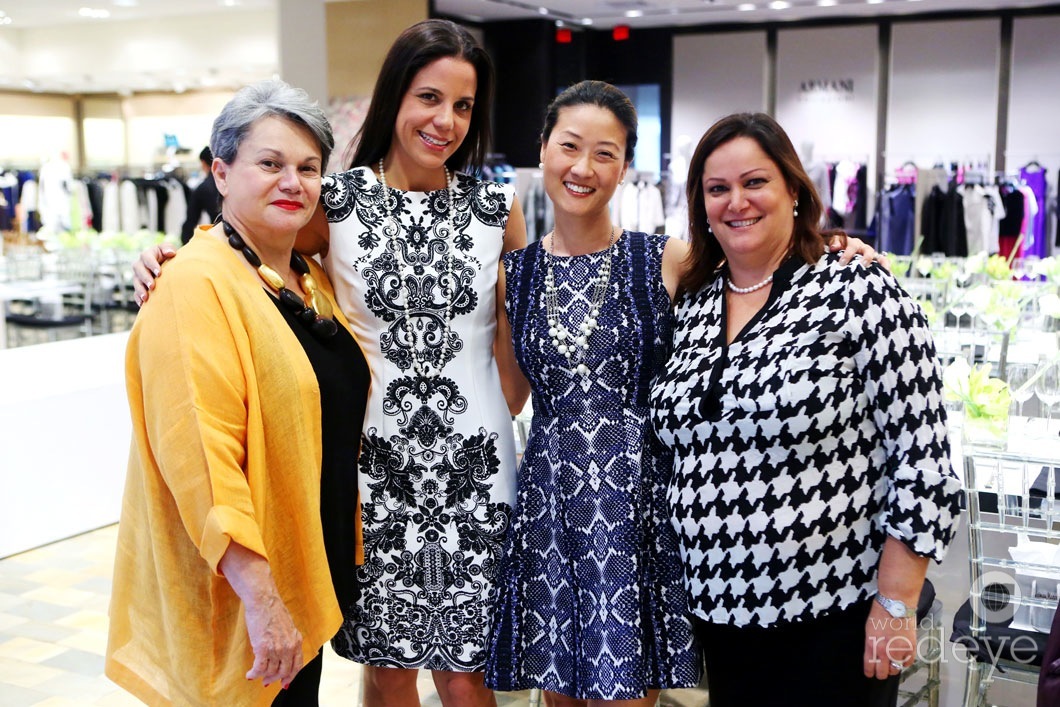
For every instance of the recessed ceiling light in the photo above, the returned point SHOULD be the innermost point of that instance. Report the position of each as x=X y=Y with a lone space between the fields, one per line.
x=634 y=13
x=826 y=3
x=5 y=20
x=875 y=2
x=779 y=5
x=125 y=3
x=94 y=13
x=542 y=10
x=587 y=21
x=745 y=7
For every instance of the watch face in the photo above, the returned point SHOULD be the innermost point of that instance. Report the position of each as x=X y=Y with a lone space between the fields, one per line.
x=894 y=607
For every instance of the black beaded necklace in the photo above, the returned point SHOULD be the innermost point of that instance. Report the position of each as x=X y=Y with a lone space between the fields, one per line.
x=314 y=311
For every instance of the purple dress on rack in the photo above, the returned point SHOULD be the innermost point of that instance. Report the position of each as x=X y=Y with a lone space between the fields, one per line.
x=1034 y=177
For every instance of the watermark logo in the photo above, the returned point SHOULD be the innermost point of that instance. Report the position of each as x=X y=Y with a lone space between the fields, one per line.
x=995 y=596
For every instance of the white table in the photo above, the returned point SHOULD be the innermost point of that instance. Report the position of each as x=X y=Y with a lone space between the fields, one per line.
x=43 y=290
x=64 y=439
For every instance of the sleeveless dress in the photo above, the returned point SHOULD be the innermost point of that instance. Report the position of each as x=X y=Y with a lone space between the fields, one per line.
x=590 y=596
x=437 y=459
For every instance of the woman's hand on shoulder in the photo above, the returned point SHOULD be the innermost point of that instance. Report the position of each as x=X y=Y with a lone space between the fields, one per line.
x=148 y=268
x=854 y=247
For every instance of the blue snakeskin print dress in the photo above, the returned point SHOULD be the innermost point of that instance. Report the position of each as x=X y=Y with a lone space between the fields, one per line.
x=589 y=596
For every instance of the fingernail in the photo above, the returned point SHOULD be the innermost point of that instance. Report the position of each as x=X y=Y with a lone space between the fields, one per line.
x=286 y=685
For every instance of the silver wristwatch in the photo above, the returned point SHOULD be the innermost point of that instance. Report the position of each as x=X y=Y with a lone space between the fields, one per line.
x=896 y=608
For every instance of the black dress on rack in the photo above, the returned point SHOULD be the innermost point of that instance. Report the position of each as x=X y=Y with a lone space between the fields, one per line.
x=942 y=223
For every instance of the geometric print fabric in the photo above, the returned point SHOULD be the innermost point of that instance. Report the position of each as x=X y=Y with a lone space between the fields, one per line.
x=590 y=601
x=799 y=446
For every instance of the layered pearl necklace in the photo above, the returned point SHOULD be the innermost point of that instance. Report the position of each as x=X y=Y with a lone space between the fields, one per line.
x=573 y=345
x=752 y=288
x=420 y=362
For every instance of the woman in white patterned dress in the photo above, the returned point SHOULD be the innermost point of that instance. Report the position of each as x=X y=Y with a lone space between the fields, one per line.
x=413 y=249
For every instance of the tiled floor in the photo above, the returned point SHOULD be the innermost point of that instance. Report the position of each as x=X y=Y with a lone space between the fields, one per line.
x=53 y=623
x=53 y=634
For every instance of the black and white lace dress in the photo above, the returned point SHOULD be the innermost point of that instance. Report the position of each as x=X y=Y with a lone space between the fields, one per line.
x=799 y=446
x=437 y=459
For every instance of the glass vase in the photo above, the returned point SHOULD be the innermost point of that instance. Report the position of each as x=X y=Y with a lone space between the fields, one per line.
x=985 y=431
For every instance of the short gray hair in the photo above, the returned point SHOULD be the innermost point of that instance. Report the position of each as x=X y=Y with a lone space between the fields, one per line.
x=263 y=99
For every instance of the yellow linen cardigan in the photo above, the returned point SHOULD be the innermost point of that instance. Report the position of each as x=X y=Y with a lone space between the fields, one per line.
x=226 y=448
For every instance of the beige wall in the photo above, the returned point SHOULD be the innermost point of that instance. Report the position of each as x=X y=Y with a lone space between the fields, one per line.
x=359 y=33
x=34 y=104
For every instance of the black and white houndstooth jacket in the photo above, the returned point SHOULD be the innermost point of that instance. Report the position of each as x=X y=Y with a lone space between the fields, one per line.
x=801 y=445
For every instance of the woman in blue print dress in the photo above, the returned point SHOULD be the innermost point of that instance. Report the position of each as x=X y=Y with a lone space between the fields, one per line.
x=590 y=605
x=589 y=599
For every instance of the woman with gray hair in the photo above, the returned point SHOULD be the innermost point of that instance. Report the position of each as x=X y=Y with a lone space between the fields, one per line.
x=247 y=392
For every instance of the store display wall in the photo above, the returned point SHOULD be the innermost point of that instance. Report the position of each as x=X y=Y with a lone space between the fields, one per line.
x=827 y=100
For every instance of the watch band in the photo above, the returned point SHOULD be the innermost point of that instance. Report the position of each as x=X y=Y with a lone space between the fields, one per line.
x=896 y=608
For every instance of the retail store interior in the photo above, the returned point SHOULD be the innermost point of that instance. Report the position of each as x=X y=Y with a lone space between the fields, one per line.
x=923 y=123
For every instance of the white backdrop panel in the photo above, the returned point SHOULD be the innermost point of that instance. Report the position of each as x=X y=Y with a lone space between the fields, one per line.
x=1034 y=99
x=943 y=92
x=714 y=75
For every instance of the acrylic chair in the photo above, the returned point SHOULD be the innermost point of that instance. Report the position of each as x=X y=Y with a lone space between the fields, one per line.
x=1009 y=496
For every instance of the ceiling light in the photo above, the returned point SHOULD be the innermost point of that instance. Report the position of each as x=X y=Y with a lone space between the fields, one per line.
x=542 y=10
x=586 y=21
x=229 y=3
x=745 y=7
x=779 y=5
x=875 y=2
x=94 y=13
x=634 y=13
x=125 y=3
x=826 y=3
x=5 y=20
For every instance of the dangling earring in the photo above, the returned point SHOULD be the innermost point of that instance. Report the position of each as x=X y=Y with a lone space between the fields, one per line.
x=540 y=165
x=795 y=209
x=709 y=229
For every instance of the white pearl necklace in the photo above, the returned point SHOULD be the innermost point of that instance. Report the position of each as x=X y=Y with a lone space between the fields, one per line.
x=573 y=345
x=752 y=288
x=420 y=364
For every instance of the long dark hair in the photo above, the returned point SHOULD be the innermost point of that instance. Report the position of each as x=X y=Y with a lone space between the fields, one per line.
x=705 y=255
x=596 y=93
x=415 y=48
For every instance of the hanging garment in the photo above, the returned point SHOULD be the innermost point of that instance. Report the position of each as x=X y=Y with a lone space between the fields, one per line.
x=818 y=173
x=1034 y=243
x=896 y=225
x=1012 y=224
x=641 y=207
x=983 y=212
x=942 y=223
